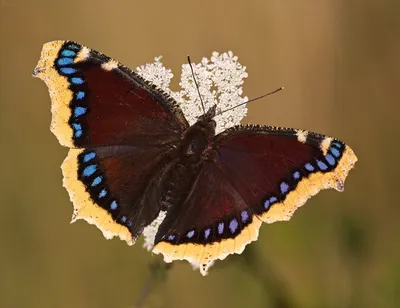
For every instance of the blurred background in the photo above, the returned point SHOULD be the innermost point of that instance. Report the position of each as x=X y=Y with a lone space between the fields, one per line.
x=340 y=65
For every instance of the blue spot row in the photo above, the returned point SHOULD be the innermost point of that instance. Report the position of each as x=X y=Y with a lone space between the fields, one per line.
x=64 y=65
x=330 y=160
x=233 y=226
x=334 y=152
x=95 y=183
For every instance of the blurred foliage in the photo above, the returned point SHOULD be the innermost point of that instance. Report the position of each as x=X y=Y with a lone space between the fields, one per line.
x=339 y=63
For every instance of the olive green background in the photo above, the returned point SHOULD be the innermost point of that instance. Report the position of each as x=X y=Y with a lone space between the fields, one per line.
x=340 y=64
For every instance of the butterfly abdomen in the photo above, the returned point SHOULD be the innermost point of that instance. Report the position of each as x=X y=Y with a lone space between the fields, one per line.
x=177 y=184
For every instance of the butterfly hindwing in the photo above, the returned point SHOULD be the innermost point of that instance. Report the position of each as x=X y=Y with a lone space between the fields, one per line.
x=258 y=174
x=115 y=187
x=97 y=101
x=213 y=222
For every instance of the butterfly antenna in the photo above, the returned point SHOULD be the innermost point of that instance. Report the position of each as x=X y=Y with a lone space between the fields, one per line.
x=197 y=86
x=252 y=100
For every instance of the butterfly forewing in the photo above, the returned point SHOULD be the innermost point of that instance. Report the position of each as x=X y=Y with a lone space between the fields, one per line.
x=99 y=102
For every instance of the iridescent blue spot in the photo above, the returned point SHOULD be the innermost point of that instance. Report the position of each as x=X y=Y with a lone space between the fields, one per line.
x=73 y=46
x=89 y=156
x=65 y=61
x=329 y=158
x=113 y=204
x=69 y=71
x=78 y=129
x=80 y=95
x=221 y=228
x=267 y=204
x=89 y=170
x=123 y=218
x=309 y=167
x=233 y=225
x=171 y=237
x=68 y=53
x=77 y=126
x=245 y=216
x=77 y=80
x=190 y=234
x=273 y=199
x=296 y=175
x=130 y=223
x=207 y=233
x=78 y=111
x=284 y=188
x=337 y=144
x=103 y=193
x=321 y=165
x=334 y=151
x=97 y=181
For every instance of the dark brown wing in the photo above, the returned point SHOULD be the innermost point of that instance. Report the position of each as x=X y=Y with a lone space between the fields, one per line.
x=97 y=101
x=124 y=128
x=258 y=174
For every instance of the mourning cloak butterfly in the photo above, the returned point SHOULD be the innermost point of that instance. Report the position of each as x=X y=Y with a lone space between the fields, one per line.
x=133 y=154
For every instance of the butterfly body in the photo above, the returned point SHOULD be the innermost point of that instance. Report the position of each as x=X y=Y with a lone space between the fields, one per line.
x=134 y=157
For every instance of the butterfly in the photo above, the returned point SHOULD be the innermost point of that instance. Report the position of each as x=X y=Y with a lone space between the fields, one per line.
x=133 y=155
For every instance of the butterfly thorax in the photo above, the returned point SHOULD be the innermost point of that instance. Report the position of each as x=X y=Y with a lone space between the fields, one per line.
x=195 y=147
x=198 y=138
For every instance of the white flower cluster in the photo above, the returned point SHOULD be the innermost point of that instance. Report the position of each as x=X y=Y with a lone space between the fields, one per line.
x=220 y=81
x=156 y=73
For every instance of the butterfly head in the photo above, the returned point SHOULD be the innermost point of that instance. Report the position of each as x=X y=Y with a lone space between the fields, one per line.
x=208 y=116
x=206 y=121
